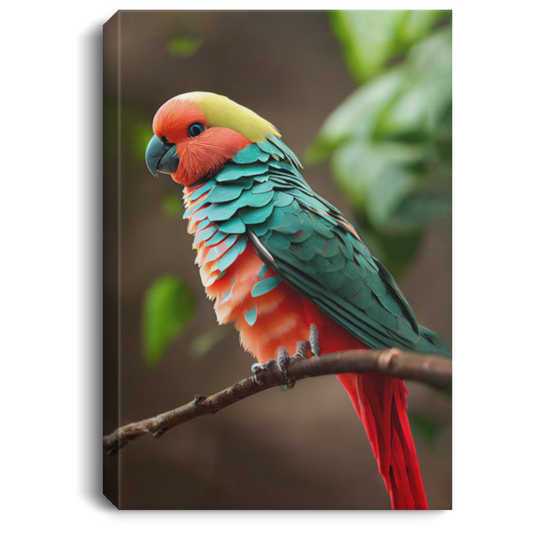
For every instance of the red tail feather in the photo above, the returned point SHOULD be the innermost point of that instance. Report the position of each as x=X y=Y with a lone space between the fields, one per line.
x=380 y=402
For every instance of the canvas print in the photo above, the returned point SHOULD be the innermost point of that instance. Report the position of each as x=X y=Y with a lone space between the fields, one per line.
x=277 y=253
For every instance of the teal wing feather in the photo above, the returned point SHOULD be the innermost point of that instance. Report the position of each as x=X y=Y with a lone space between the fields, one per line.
x=261 y=195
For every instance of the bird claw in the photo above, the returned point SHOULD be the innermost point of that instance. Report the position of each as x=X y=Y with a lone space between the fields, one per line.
x=257 y=367
x=311 y=345
x=314 y=345
x=284 y=360
x=302 y=348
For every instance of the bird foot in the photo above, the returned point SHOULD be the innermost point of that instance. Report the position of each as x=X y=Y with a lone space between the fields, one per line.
x=284 y=360
x=310 y=344
x=314 y=345
x=257 y=367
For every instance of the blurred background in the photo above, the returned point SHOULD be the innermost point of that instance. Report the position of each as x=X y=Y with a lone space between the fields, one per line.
x=364 y=99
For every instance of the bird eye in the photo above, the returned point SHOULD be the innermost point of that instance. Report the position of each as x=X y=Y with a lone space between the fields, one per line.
x=195 y=129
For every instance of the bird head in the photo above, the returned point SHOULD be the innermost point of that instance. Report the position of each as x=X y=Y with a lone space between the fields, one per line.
x=196 y=134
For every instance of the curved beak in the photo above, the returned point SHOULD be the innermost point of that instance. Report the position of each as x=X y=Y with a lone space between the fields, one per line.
x=161 y=156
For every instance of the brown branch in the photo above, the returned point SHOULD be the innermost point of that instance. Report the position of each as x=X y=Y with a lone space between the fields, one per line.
x=429 y=369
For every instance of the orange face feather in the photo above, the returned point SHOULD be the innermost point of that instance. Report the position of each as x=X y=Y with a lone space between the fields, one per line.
x=200 y=156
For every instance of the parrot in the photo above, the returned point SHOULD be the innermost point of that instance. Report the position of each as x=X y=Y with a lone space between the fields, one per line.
x=285 y=266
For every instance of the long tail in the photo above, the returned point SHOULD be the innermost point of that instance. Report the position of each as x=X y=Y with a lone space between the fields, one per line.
x=380 y=402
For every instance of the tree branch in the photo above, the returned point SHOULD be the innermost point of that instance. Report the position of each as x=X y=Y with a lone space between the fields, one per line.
x=432 y=370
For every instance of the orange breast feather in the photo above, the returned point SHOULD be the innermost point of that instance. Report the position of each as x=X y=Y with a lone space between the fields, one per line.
x=265 y=322
x=280 y=317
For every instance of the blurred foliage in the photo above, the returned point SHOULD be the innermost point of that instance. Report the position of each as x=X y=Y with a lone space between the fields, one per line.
x=172 y=205
x=208 y=339
x=391 y=140
x=135 y=129
x=425 y=429
x=183 y=46
x=168 y=307
x=371 y=38
x=142 y=133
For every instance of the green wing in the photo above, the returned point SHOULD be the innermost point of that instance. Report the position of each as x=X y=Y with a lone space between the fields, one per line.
x=262 y=196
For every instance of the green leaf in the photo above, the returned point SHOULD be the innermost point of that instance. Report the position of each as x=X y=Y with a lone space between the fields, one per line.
x=183 y=46
x=358 y=115
x=410 y=97
x=391 y=140
x=371 y=39
x=172 y=205
x=391 y=182
x=428 y=89
x=358 y=165
x=417 y=23
x=168 y=307
x=368 y=38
